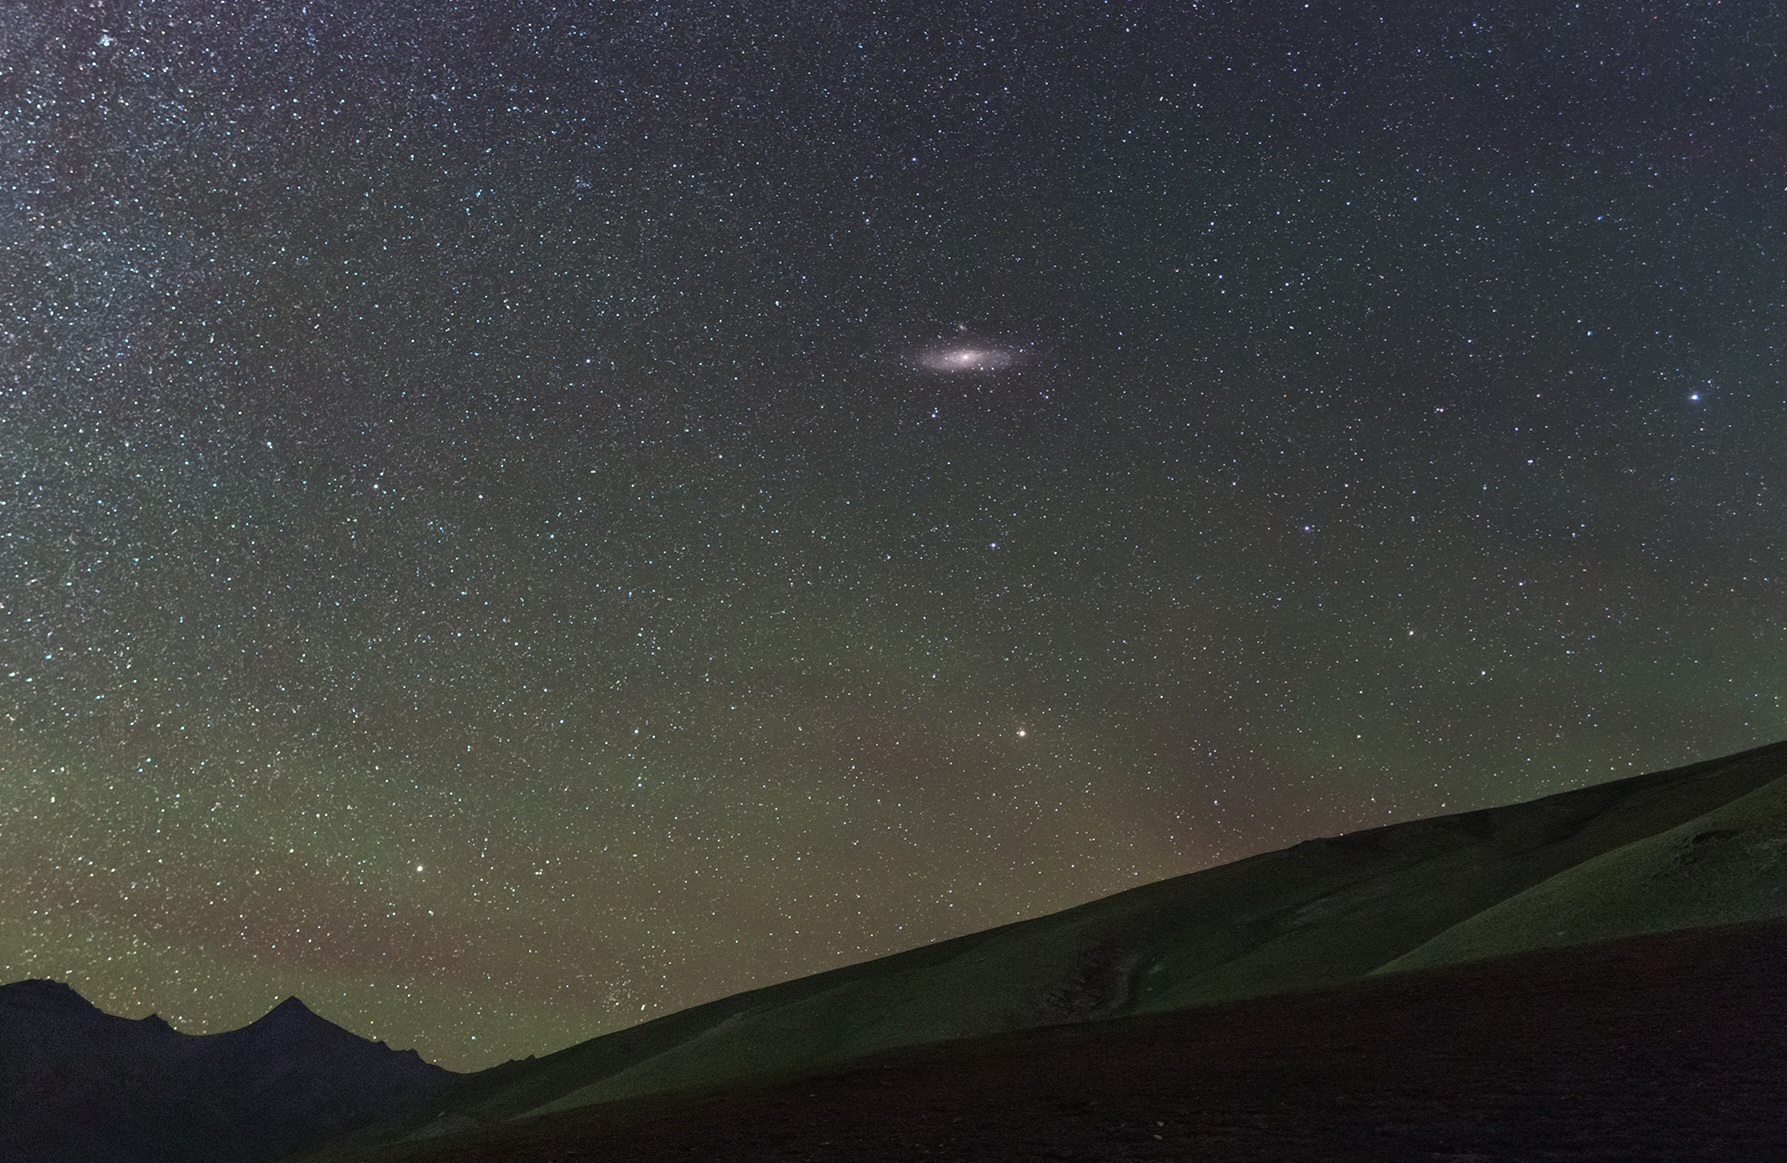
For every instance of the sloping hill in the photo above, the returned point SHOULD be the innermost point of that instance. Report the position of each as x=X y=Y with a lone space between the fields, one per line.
x=78 y=1084
x=1724 y=867
x=1663 y=1047
x=1316 y=915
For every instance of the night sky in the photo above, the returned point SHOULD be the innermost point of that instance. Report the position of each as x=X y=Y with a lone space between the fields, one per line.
x=518 y=518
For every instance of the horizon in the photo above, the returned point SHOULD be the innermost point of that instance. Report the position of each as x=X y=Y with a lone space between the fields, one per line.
x=294 y=1000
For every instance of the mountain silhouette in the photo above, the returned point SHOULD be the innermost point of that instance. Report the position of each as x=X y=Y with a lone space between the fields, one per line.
x=79 y=1085
x=1596 y=974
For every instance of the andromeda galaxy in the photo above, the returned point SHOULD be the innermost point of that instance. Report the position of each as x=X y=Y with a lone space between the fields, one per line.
x=965 y=358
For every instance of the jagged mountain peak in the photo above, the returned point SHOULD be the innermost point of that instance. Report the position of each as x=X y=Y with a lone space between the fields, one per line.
x=44 y=993
x=291 y=1010
x=293 y=1017
x=292 y=1024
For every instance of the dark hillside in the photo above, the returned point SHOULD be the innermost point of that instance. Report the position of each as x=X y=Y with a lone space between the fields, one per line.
x=1316 y=915
x=1662 y=1047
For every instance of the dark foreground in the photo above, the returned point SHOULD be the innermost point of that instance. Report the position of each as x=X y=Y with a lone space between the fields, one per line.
x=1671 y=1047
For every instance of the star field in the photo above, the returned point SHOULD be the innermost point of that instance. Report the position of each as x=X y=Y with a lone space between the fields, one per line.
x=477 y=551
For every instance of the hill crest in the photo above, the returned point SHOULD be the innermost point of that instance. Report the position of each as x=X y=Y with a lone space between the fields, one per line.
x=1321 y=913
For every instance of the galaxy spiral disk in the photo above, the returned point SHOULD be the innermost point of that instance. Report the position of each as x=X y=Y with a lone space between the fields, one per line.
x=966 y=357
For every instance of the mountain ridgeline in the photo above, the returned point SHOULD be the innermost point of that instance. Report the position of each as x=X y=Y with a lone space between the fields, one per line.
x=1698 y=846
x=79 y=1085
x=1685 y=850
